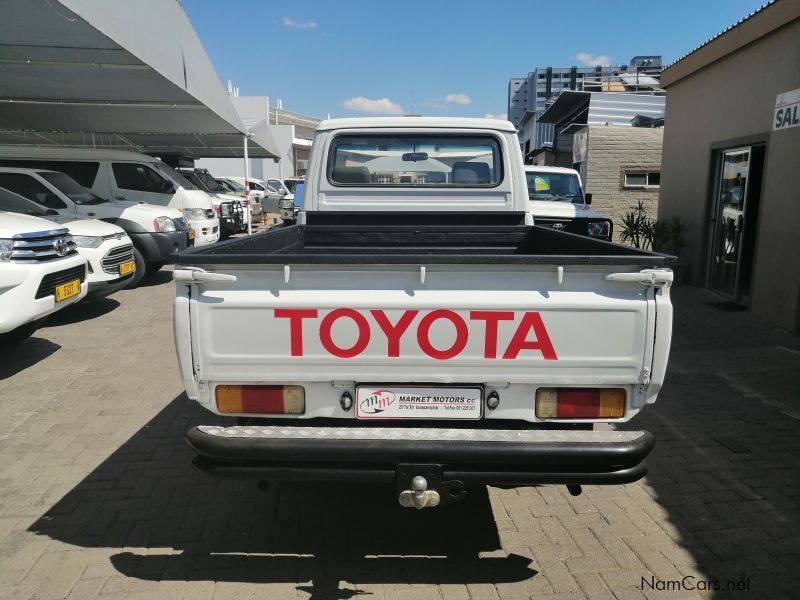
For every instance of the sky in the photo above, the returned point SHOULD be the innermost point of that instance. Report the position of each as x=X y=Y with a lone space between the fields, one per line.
x=449 y=58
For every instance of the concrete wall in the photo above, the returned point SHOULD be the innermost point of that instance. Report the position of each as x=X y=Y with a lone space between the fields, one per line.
x=610 y=150
x=729 y=103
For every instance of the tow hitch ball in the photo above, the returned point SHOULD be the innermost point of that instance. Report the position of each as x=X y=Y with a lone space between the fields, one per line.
x=421 y=486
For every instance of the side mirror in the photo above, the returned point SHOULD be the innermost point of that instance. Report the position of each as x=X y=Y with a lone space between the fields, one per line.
x=588 y=198
x=167 y=188
x=51 y=213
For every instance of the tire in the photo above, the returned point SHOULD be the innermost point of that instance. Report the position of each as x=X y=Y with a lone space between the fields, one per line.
x=155 y=266
x=20 y=334
x=141 y=269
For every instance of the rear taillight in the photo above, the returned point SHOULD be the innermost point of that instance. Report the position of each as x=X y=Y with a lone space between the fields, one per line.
x=261 y=399
x=580 y=403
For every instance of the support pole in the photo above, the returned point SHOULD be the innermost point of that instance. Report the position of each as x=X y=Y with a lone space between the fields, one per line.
x=247 y=186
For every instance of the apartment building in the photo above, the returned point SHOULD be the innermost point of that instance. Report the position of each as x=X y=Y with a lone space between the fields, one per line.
x=529 y=97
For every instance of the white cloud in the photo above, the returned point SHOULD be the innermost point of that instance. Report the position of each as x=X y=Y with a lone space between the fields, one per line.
x=369 y=105
x=501 y=116
x=458 y=99
x=593 y=60
x=298 y=23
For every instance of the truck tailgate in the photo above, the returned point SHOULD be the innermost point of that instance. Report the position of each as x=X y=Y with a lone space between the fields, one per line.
x=444 y=324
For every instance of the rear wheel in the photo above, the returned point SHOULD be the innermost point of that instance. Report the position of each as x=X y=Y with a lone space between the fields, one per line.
x=141 y=269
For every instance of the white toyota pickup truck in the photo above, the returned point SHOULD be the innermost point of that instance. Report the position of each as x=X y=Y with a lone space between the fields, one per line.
x=40 y=273
x=413 y=328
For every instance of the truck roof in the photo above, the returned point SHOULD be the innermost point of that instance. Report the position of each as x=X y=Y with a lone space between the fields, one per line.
x=544 y=169
x=433 y=122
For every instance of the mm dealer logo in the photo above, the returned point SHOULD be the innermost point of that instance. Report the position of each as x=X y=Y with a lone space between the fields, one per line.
x=377 y=402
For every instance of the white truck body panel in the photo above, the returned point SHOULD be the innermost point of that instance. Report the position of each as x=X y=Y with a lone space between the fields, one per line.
x=602 y=332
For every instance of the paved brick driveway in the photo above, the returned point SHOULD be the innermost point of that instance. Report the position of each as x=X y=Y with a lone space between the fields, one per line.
x=97 y=499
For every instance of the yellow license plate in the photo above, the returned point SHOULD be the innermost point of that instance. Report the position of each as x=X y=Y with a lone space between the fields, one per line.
x=126 y=268
x=68 y=290
x=191 y=234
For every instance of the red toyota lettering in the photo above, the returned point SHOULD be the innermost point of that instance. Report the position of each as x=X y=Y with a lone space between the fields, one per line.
x=363 y=332
x=423 y=331
x=394 y=332
x=295 y=316
x=531 y=321
x=491 y=319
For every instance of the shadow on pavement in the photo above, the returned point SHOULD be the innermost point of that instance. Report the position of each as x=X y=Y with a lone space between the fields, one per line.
x=311 y=536
x=18 y=357
x=82 y=311
x=726 y=465
x=150 y=279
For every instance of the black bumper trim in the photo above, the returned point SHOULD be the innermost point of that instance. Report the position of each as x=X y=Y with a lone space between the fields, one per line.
x=491 y=463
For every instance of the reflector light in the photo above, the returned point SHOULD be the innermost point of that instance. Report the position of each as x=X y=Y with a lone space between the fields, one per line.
x=580 y=403
x=261 y=399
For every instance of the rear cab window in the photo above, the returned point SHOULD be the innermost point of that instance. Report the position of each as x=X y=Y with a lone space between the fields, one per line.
x=415 y=160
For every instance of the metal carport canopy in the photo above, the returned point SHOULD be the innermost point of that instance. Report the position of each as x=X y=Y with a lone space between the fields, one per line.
x=115 y=74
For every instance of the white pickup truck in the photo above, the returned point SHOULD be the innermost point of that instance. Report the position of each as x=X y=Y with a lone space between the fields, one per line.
x=413 y=328
x=40 y=273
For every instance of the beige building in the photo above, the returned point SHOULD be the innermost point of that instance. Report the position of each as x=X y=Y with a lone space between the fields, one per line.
x=622 y=167
x=614 y=141
x=731 y=162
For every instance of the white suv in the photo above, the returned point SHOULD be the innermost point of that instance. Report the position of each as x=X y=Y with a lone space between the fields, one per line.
x=40 y=273
x=557 y=201
x=107 y=248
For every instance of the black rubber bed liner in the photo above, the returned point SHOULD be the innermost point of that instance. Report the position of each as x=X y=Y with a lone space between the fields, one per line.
x=418 y=238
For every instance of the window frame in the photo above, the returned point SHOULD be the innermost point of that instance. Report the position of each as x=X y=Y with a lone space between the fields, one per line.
x=636 y=186
x=497 y=140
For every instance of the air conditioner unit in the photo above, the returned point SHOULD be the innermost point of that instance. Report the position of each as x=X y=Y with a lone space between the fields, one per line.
x=302 y=165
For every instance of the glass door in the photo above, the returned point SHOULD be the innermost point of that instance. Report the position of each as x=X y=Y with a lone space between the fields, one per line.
x=729 y=224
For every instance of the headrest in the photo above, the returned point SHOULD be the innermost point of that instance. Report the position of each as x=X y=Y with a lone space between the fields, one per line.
x=350 y=175
x=470 y=172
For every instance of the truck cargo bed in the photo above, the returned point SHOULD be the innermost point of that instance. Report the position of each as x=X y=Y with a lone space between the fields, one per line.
x=408 y=238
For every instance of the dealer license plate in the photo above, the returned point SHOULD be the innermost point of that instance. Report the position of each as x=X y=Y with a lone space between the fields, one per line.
x=378 y=402
x=68 y=290
x=127 y=267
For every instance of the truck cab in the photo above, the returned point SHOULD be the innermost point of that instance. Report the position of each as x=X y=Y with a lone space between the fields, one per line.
x=558 y=201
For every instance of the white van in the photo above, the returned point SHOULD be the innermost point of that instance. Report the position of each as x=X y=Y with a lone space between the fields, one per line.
x=155 y=231
x=125 y=177
x=557 y=201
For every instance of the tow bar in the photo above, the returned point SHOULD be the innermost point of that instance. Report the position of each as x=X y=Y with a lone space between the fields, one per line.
x=421 y=486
